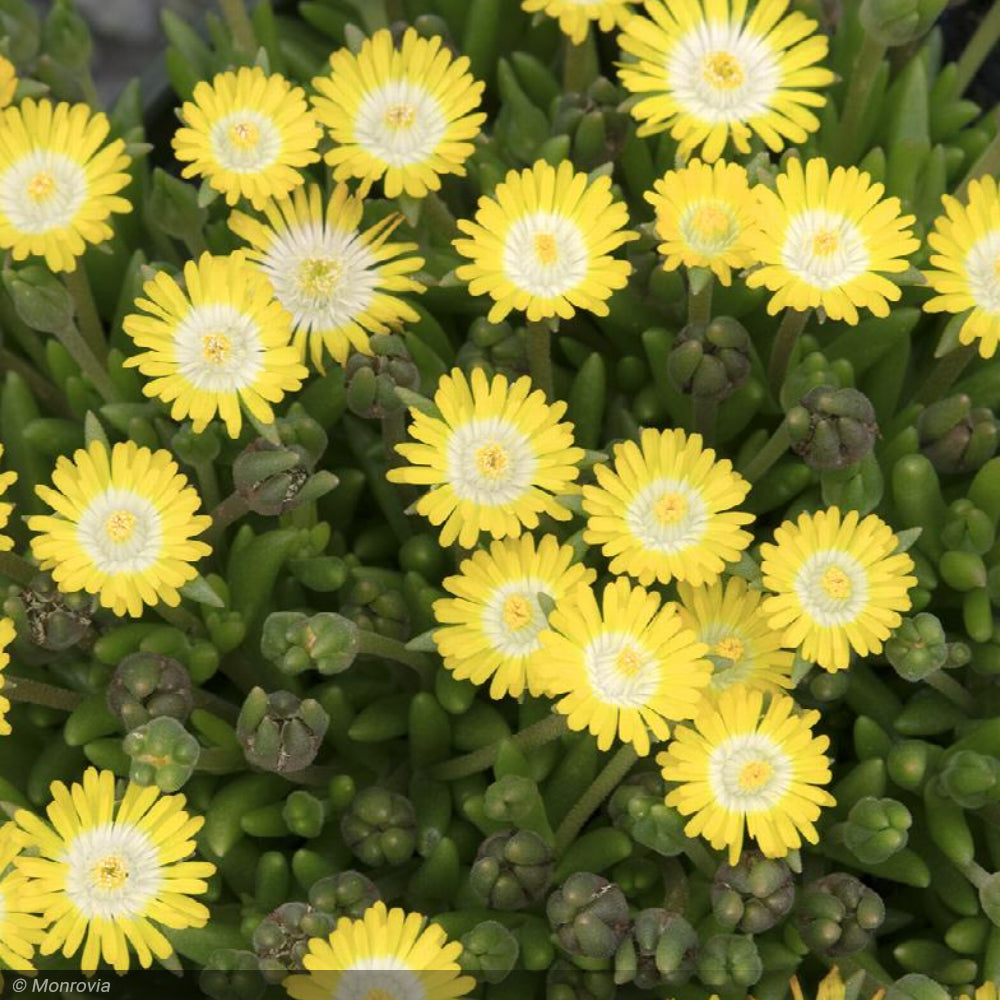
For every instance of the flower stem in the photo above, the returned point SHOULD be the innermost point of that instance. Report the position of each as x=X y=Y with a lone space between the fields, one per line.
x=393 y=433
x=80 y=351
x=16 y=568
x=224 y=514
x=773 y=449
x=704 y=410
x=988 y=162
x=698 y=855
x=604 y=784
x=540 y=356
x=580 y=64
x=953 y=691
x=38 y=693
x=239 y=23
x=944 y=373
x=373 y=644
x=88 y=320
x=863 y=74
x=792 y=325
x=700 y=302
x=208 y=483
x=979 y=46
x=181 y=618
x=544 y=731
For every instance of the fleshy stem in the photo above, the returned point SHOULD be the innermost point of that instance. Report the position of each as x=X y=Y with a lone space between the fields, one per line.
x=181 y=618
x=700 y=302
x=773 y=449
x=224 y=514
x=208 y=483
x=697 y=854
x=373 y=644
x=792 y=325
x=89 y=322
x=80 y=351
x=979 y=46
x=540 y=355
x=581 y=64
x=38 y=693
x=953 y=691
x=988 y=162
x=544 y=731
x=863 y=74
x=604 y=784
x=704 y=410
x=946 y=370
x=239 y=23
x=16 y=568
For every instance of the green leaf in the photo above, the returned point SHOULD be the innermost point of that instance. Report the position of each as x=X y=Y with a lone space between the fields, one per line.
x=200 y=591
x=423 y=643
x=93 y=430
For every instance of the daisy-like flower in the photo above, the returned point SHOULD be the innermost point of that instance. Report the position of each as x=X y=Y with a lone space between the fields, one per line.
x=59 y=181
x=248 y=134
x=404 y=116
x=664 y=511
x=988 y=991
x=624 y=667
x=110 y=872
x=8 y=81
x=385 y=954
x=491 y=627
x=575 y=17
x=746 y=767
x=336 y=280
x=709 y=73
x=124 y=527
x=833 y=987
x=7 y=479
x=741 y=646
x=838 y=584
x=7 y=633
x=542 y=244
x=496 y=459
x=967 y=262
x=21 y=929
x=221 y=341
x=825 y=240
x=703 y=213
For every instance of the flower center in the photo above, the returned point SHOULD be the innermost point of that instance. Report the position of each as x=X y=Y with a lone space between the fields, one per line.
x=319 y=275
x=710 y=222
x=42 y=186
x=492 y=461
x=546 y=248
x=755 y=774
x=996 y=268
x=378 y=994
x=120 y=525
x=730 y=648
x=670 y=508
x=215 y=348
x=825 y=242
x=628 y=662
x=837 y=584
x=723 y=71
x=244 y=135
x=110 y=873
x=517 y=612
x=399 y=116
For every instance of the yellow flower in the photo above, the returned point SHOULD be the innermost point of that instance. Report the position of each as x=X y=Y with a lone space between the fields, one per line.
x=703 y=214
x=967 y=261
x=624 y=667
x=708 y=73
x=6 y=638
x=988 y=991
x=7 y=479
x=124 y=527
x=59 y=181
x=542 y=244
x=8 y=81
x=741 y=646
x=832 y=987
x=838 y=584
x=384 y=955
x=21 y=929
x=404 y=116
x=248 y=134
x=663 y=512
x=825 y=240
x=496 y=459
x=109 y=873
x=491 y=627
x=221 y=341
x=576 y=16
x=744 y=766
x=335 y=279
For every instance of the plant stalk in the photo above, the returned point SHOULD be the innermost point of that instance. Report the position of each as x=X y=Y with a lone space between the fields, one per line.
x=88 y=362
x=39 y=693
x=984 y=39
x=540 y=356
x=373 y=644
x=704 y=410
x=944 y=373
x=224 y=514
x=16 y=568
x=773 y=449
x=700 y=303
x=863 y=74
x=88 y=320
x=792 y=324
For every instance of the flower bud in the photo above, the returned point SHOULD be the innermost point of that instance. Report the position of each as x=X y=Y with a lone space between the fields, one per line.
x=899 y=22
x=910 y=762
x=380 y=827
x=55 y=621
x=729 y=961
x=281 y=940
x=163 y=753
x=512 y=870
x=566 y=981
x=812 y=372
x=232 y=975
x=325 y=642
x=589 y=916
x=837 y=914
x=840 y=430
x=957 y=438
x=712 y=359
x=971 y=779
x=876 y=829
x=918 y=647
x=272 y=479
x=660 y=952
x=146 y=686
x=279 y=732
x=372 y=379
x=377 y=607
x=968 y=529
x=346 y=894
x=303 y=435
x=637 y=807
x=304 y=814
x=489 y=952
x=754 y=894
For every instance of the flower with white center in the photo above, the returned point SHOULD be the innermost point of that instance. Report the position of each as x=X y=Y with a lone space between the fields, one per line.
x=383 y=955
x=576 y=17
x=966 y=261
x=663 y=511
x=490 y=628
x=838 y=583
x=745 y=768
x=497 y=458
x=59 y=181
x=403 y=116
x=248 y=134
x=542 y=244
x=124 y=527
x=110 y=873
x=623 y=668
x=21 y=928
x=708 y=73
x=220 y=342
x=825 y=239
x=339 y=282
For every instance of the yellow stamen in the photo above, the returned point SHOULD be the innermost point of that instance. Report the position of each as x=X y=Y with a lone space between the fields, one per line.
x=711 y=223
x=41 y=186
x=378 y=994
x=215 y=348
x=755 y=774
x=399 y=116
x=546 y=248
x=244 y=135
x=836 y=583
x=120 y=525
x=996 y=268
x=492 y=461
x=670 y=508
x=517 y=612
x=628 y=662
x=319 y=275
x=825 y=242
x=109 y=873
x=729 y=648
x=723 y=71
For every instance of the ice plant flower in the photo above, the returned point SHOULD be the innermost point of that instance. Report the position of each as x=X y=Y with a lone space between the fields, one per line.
x=8 y=81
x=663 y=511
x=403 y=116
x=741 y=646
x=988 y=991
x=7 y=479
x=248 y=134
x=6 y=638
x=966 y=275
x=575 y=17
x=496 y=459
x=59 y=181
x=623 y=668
x=833 y=987
x=220 y=342
x=491 y=626
x=339 y=282
x=109 y=872
x=745 y=768
x=542 y=244
x=825 y=240
x=703 y=213
x=838 y=583
x=385 y=954
x=21 y=929
x=709 y=73
x=124 y=526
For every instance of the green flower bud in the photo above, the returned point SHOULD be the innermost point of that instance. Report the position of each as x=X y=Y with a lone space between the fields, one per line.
x=55 y=621
x=377 y=607
x=918 y=647
x=876 y=829
x=910 y=762
x=836 y=430
x=489 y=952
x=813 y=372
x=729 y=961
x=279 y=732
x=837 y=914
x=967 y=528
x=380 y=827
x=163 y=753
x=916 y=987
x=346 y=894
x=146 y=686
x=302 y=434
x=304 y=814
x=232 y=975
x=589 y=916
x=637 y=807
x=661 y=951
x=957 y=438
x=971 y=779
x=325 y=642
x=281 y=940
x=273 y=479
x=753 y=895
x=512 y=870
x=567 y=981
x=899 y=22
x=710 y=360
x=372 y=380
